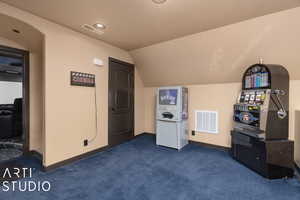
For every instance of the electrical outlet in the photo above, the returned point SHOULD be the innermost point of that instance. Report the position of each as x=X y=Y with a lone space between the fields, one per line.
x=193 y=133
x=85 y=142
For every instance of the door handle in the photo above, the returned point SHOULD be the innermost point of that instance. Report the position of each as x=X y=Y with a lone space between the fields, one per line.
x=113 y=109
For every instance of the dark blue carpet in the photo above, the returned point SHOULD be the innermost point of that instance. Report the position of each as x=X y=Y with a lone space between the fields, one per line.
x=139 y=170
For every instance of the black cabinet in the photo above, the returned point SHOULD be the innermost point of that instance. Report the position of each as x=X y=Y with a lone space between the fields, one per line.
x=271 y=159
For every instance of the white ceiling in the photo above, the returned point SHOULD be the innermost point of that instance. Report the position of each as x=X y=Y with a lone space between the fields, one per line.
x=133 y=24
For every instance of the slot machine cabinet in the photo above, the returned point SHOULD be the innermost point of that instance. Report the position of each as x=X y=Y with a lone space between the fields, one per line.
x=261 y=116
x=171 y=117
x=263 y=104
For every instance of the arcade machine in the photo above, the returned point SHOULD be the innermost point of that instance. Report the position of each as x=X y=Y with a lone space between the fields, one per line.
x=261 y=115
x=171 y=117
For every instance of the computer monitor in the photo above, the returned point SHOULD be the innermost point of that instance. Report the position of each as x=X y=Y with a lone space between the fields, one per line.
x=168 y=96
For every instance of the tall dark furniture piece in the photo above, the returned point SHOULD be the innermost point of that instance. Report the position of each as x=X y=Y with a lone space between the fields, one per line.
x=11 y=120
x=18 y=117
x=261 y=115
x=6 y=121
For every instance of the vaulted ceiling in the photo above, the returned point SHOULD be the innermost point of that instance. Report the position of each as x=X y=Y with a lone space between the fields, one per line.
x=132 y=24
x=222 y=55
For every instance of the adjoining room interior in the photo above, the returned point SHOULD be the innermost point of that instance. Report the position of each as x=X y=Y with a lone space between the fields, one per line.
x=152 y=99
x=21 y=86
x=12 y=138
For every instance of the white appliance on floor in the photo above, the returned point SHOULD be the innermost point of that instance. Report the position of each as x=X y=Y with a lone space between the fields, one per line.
x=172 y=116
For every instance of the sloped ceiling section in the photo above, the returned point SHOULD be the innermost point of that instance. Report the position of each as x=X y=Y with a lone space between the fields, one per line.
x=222 y=55
x=133 y=24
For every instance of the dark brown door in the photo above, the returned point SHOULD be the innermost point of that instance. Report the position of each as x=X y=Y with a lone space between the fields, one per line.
x=121 y=102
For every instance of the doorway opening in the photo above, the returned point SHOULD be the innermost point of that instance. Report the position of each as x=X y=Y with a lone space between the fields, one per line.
x=14 y=103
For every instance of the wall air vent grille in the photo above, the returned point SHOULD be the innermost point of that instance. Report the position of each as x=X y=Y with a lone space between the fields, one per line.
x=206 y=121
x=91 y=29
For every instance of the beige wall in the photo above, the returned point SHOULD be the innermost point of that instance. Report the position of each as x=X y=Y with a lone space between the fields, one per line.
x=36 y=93
x=36 y=101
x=216 y=97
x=139 y=109
x=69 y=111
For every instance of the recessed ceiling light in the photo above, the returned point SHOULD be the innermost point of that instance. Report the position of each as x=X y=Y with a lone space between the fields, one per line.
x=159 y=1
x=99 y=26
x=92 y=28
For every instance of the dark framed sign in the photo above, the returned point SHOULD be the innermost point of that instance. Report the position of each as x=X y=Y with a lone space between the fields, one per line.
x=82 y=79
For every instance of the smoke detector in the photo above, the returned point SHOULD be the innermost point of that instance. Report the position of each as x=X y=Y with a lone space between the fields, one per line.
x=93 y=29
x=159 y=1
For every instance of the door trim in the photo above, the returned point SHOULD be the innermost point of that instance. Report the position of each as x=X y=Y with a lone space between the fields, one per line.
x=25 y=85
x=110 y=60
